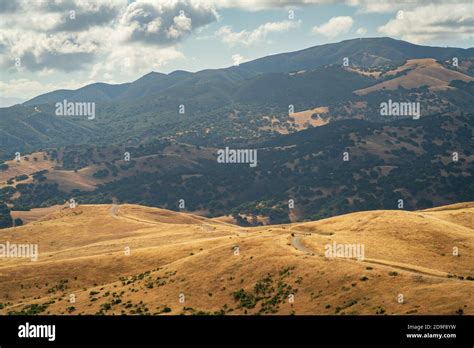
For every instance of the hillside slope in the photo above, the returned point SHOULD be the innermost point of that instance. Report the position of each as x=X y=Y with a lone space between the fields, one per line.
x=131 y=259
x=419 y=72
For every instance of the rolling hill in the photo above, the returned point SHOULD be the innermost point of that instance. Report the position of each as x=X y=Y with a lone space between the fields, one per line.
x=419 y=72
x=129 y=259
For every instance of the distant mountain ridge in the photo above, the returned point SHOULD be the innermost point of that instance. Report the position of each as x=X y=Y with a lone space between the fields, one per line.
x=243 y=103
x=363 y=52
x=366 y=53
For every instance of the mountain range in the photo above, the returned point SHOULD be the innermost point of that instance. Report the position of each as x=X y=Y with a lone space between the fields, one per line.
x=365 y=53
x=303 y=111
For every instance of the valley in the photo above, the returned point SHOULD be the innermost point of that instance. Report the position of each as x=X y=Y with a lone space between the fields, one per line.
x=129 y=259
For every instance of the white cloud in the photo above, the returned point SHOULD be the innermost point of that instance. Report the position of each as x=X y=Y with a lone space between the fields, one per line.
x=432 y=22
x=42 y=35
x=164 y=22
x=387 y=6
x=362 y=6
x=335 y=27
x=381 y=6
x=36 y=51
x=361 y=31
x=27 y=88
x=238 y=59
x=66 y=15
x=96 y=47
x=134 y=59
x=257 y=5
x=257 y=35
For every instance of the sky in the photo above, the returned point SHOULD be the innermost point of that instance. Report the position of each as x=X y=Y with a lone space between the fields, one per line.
x=47 y=45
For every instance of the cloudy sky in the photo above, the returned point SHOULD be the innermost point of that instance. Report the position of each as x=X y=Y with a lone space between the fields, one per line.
x=65 y=44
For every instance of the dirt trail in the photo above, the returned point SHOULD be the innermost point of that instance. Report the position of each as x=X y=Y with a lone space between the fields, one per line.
x=296 y=242
x=422 y=271
x=208 y=227
x=114 y=211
